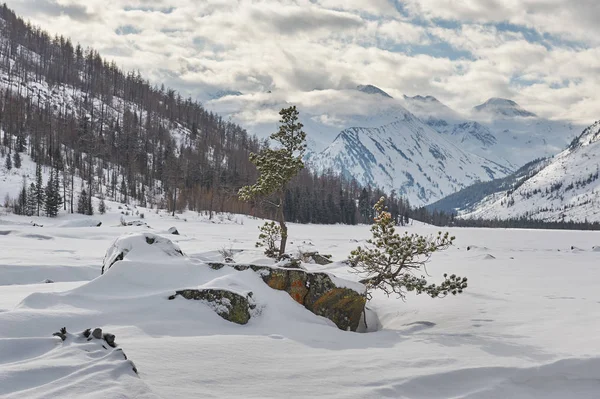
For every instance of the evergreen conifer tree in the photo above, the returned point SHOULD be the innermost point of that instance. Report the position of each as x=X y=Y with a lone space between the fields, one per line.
x=82 y=204
x=389 y=261
x=17 y=160
x=39 y=188
x=102 y=205
x=21 y=205
x=31 y=203
x=53 y=200
x=276 y=167
x=8 y=162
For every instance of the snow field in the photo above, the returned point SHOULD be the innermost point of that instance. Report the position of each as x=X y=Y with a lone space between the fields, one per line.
x=526 y=327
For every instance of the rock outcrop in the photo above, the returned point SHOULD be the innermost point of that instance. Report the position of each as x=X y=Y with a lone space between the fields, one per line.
x=315 y=291
x=227 y=304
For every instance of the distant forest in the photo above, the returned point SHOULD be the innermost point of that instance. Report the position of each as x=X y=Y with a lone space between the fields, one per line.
x=82 y=116
x=75 y=112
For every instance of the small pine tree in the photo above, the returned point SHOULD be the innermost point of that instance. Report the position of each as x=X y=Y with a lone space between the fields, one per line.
x=31 y=205
x=21 y=205
x=102 y=206
x=39 y=188
x=270 y=234
x=389 y=261
x=17 y=160
x=8 y=162
x=82 y=204
x=53 y=200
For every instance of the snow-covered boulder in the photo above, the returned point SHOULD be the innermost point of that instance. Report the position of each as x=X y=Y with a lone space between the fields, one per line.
x=140 y=247
x=173 y=230
x=338 y=300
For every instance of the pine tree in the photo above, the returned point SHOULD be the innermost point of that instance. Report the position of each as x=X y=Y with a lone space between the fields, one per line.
x=39 y=188
x=276 y=167
x=388 y=261
x=102 y=205
x=82 y=204
x=53 y=200
x=21 y=205
x=31 y=204
x=17 y=160
x=8 y=162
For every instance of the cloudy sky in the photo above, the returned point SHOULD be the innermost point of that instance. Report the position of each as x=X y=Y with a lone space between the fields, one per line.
x=544 y=54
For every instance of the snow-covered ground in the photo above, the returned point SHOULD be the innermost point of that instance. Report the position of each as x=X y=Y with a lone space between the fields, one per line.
x=526 y=327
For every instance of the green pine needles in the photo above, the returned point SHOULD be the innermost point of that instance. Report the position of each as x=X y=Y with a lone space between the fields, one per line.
x=277 y=166
x=270 y=234
x=390 y=260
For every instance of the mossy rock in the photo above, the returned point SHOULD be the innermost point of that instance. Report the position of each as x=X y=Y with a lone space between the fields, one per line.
x=315 y=291
x=343 y=306
x=227 y=304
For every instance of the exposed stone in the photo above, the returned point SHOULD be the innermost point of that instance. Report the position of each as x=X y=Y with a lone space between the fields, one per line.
x=315 y=291
x=173 y=230
x=227 y=304
x=97 y=333
x=316 y=258
x=110 y=339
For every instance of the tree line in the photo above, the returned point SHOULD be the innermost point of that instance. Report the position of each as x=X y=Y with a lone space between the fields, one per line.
x=81 y=116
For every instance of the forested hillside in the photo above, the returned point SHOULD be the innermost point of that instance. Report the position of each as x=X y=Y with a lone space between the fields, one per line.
x=82 y=117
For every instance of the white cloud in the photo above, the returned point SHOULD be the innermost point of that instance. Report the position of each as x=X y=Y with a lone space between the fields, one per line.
x=295 y=46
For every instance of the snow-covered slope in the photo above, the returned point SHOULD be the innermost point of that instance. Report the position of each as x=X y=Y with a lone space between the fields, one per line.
x=566 y=188
x=408 y=156
x=502 y=107
x=499 y=129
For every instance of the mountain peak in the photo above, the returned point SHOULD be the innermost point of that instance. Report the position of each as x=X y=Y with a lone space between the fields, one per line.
x=420 y=98
x=370 y=89
x=503 y=107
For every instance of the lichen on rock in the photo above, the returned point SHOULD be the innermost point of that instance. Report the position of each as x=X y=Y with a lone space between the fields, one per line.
x=229 y=305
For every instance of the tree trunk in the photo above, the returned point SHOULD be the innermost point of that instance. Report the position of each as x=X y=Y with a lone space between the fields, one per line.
x=281 y=220
x=174 y=200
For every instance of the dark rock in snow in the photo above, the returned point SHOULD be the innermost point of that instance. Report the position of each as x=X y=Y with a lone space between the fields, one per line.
x=227 y=304
x=317 y=258
x=173 y=230
x=97 y=333
x=110 y=339
x=62 y=333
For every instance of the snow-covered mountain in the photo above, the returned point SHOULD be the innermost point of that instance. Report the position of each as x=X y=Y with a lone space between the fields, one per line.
x=408 y=156
x=502 y=107
x=564 y=188
x=500 y=138
x=499 y=130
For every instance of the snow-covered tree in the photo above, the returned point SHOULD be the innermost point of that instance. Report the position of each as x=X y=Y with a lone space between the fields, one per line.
x=270 y=234
x=390 y=260
x=102 y=205
x=277 y=166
